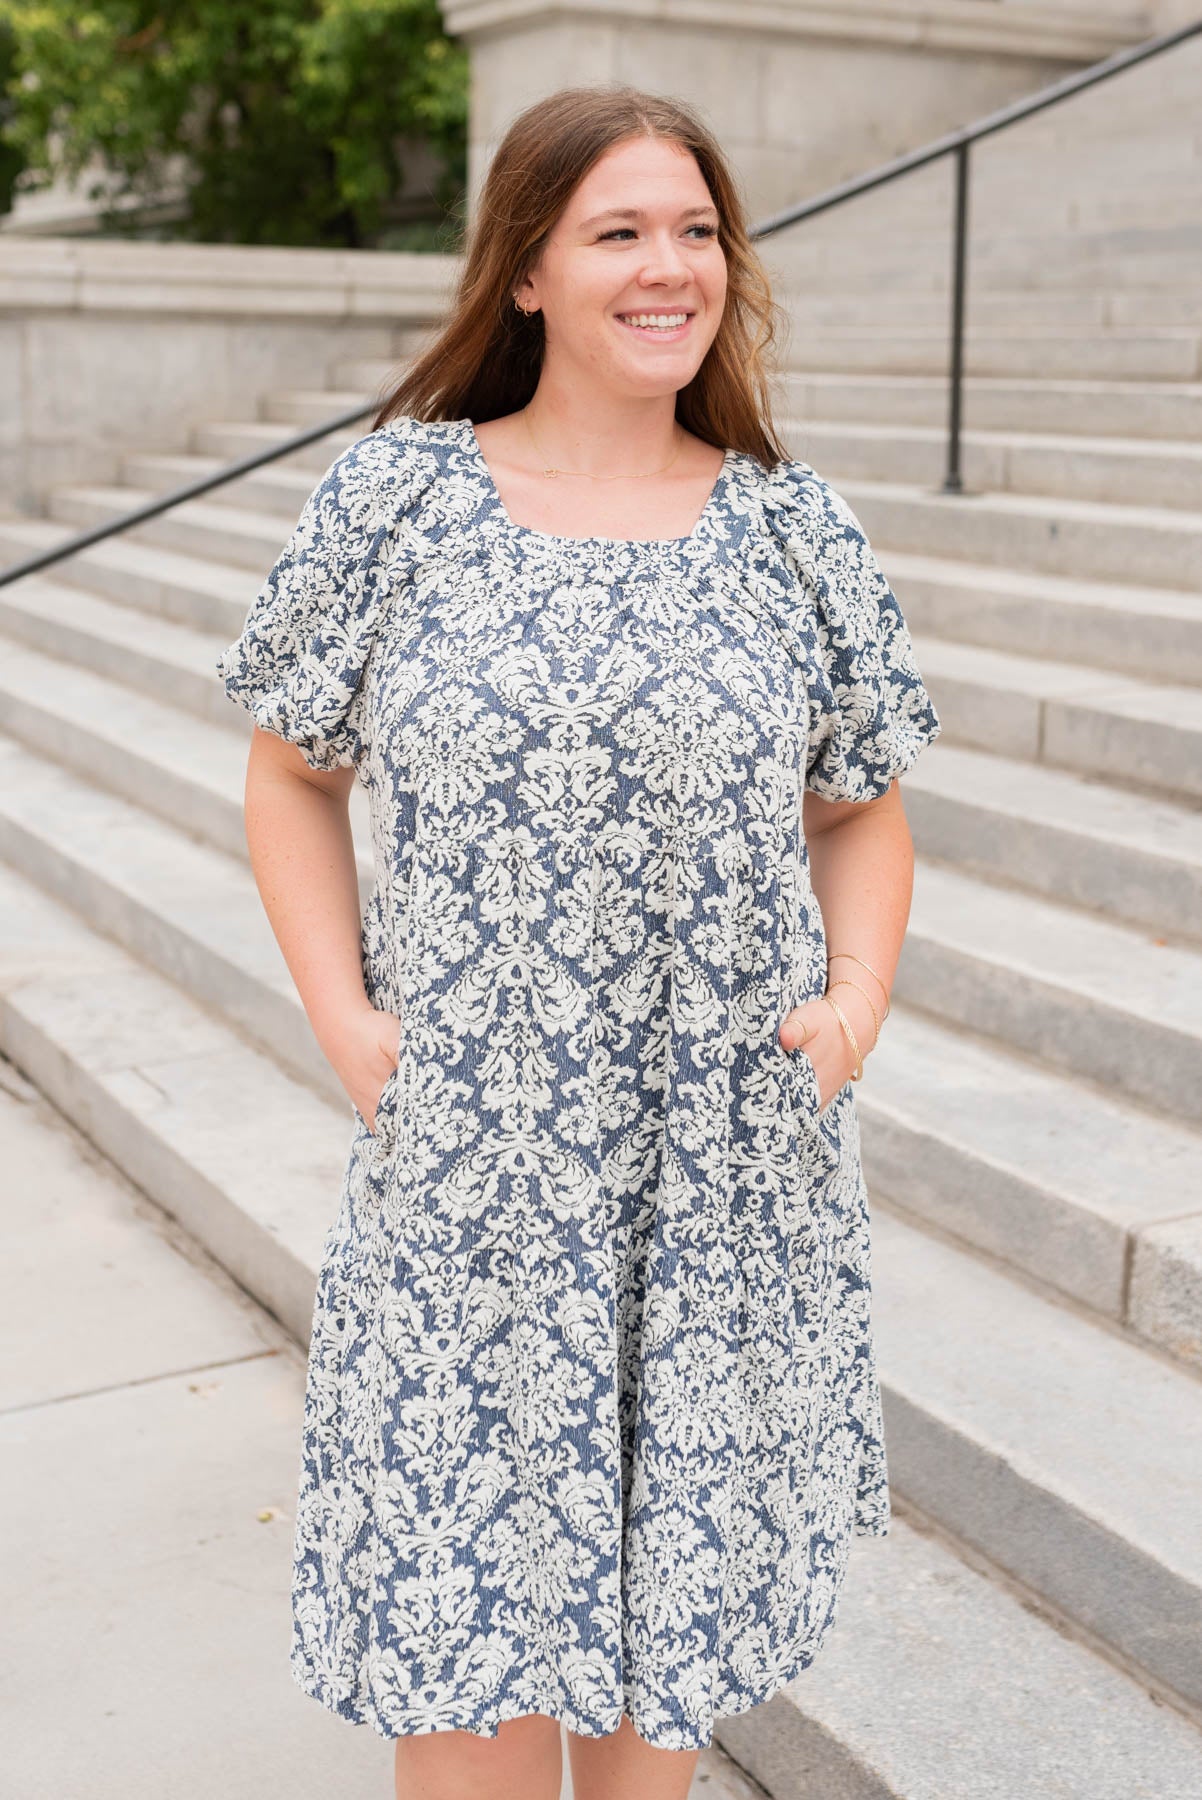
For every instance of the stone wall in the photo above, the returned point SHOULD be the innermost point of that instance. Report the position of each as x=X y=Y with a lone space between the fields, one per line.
x=801 y=95
x=108 y=345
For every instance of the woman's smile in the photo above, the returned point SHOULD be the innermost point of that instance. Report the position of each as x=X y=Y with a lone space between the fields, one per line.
x=666 y=327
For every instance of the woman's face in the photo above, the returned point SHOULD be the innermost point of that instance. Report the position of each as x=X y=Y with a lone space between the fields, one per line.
x=638 y=237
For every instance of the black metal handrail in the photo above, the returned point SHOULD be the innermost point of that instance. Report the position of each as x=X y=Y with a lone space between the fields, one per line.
x=955 y=143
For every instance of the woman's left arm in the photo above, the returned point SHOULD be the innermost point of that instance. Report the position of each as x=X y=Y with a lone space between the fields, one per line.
x=861 y=859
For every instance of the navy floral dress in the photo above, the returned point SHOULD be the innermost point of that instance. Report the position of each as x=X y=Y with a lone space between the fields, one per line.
x=592 y=1409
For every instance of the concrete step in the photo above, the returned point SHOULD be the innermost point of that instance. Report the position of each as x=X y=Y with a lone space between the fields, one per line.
x=299 y=407
x=148 y=752
x=1055 y=833
x=1019 y=235
x=147 y=580
x=895 y=279
x=257 y=1186
x=1132 y=409
x=1084 y=995
x=229 y=440
x=1068 y=1456
x=1152 y=472
x=1142 y=633
x=1122 y=353
x=1151 y=545
x=945 y=1681
x=1085 y=480
x=990 y=309
x=1123 y=730
x=280 y=488
x=153 y=755
x=1166 y=157
x=185 y=909
x=1072 y=197
x=1095 y=1200
x=210 y=526
x=169 y=663
x=1139 y=409
x=200 y=594
x=909 y=263
x=245 y=1156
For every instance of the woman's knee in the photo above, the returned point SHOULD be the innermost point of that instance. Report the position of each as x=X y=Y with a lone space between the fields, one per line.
x=524 y=1761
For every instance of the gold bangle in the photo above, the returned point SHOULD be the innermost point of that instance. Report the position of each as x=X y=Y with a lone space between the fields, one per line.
x=845 y=981
x=830 y=959
x=850 y=1035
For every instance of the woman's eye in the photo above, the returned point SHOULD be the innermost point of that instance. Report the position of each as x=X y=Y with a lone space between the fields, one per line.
x=708 y=231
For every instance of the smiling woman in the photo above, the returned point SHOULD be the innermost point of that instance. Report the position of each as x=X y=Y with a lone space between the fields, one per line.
x=592 y=1412
x=646 y=299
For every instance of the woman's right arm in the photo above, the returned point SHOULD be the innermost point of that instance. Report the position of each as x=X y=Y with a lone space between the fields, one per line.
x=302 y=855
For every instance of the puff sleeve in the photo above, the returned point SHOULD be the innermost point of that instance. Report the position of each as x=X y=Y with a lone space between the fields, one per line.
x=298 y=665
x=871 y=715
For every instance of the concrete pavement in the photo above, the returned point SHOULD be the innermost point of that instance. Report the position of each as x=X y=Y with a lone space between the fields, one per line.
x=150 y=1416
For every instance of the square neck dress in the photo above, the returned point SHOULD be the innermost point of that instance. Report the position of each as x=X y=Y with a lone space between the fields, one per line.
x=592 y=1409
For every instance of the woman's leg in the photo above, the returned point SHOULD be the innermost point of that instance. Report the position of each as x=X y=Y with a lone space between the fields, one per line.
x=523 y=1762
x=623 y=1765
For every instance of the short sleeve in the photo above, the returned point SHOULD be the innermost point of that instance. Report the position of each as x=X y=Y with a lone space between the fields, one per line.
x=871 y=715
x=298 y=665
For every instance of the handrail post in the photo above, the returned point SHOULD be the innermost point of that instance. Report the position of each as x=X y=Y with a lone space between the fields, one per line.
x=952 y=482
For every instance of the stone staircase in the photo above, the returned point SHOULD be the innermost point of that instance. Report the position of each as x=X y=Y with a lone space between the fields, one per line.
x=1032 y=1120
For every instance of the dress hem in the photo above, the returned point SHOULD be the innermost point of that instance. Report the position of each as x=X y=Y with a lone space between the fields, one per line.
x=356 y=1714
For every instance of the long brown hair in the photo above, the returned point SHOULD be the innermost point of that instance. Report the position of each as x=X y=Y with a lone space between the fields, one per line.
x=486 y=359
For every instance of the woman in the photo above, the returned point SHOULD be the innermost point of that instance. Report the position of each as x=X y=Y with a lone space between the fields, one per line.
x=592 y=1411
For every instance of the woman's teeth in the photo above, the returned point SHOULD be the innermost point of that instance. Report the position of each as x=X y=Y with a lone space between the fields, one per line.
x=655 y=321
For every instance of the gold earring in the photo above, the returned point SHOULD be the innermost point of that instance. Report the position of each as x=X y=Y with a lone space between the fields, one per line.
x=522 y=309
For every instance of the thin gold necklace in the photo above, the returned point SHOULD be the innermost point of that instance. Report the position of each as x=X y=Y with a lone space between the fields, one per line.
x=551 y=473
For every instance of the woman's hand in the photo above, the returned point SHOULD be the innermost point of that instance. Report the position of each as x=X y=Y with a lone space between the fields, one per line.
x=827 y=1046
x=365 y=1056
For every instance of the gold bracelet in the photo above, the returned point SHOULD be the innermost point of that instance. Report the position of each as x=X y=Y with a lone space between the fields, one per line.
x=844 y=981
x=850 y=1035
x=863 y=965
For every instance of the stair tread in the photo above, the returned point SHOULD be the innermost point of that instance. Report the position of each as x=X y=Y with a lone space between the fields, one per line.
x=921 y=1636
x=94 y=615
x=241 y=521
x=891 y=331
x=1052 y=507
x=1056 y=590
x=1122 y=967
x=1071 y=386
x=184 y=1072
x=965 y=1090
x=207 y=754
x=203 y=890
x=1188 y=449
x=192 y=749
x=1081 y=806
x=194 y=573
x=1042 y=678
x=1109 y=1426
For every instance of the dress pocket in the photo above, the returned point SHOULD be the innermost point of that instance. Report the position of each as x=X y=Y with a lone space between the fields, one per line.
x=805 y=1079
x=817 y=1127
x=385 y=1115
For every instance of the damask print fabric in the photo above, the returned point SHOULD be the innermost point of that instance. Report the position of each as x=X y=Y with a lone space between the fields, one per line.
x=592 y=1410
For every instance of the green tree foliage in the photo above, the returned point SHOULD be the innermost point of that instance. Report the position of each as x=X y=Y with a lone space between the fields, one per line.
x=12 y=161
x=288 y=113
